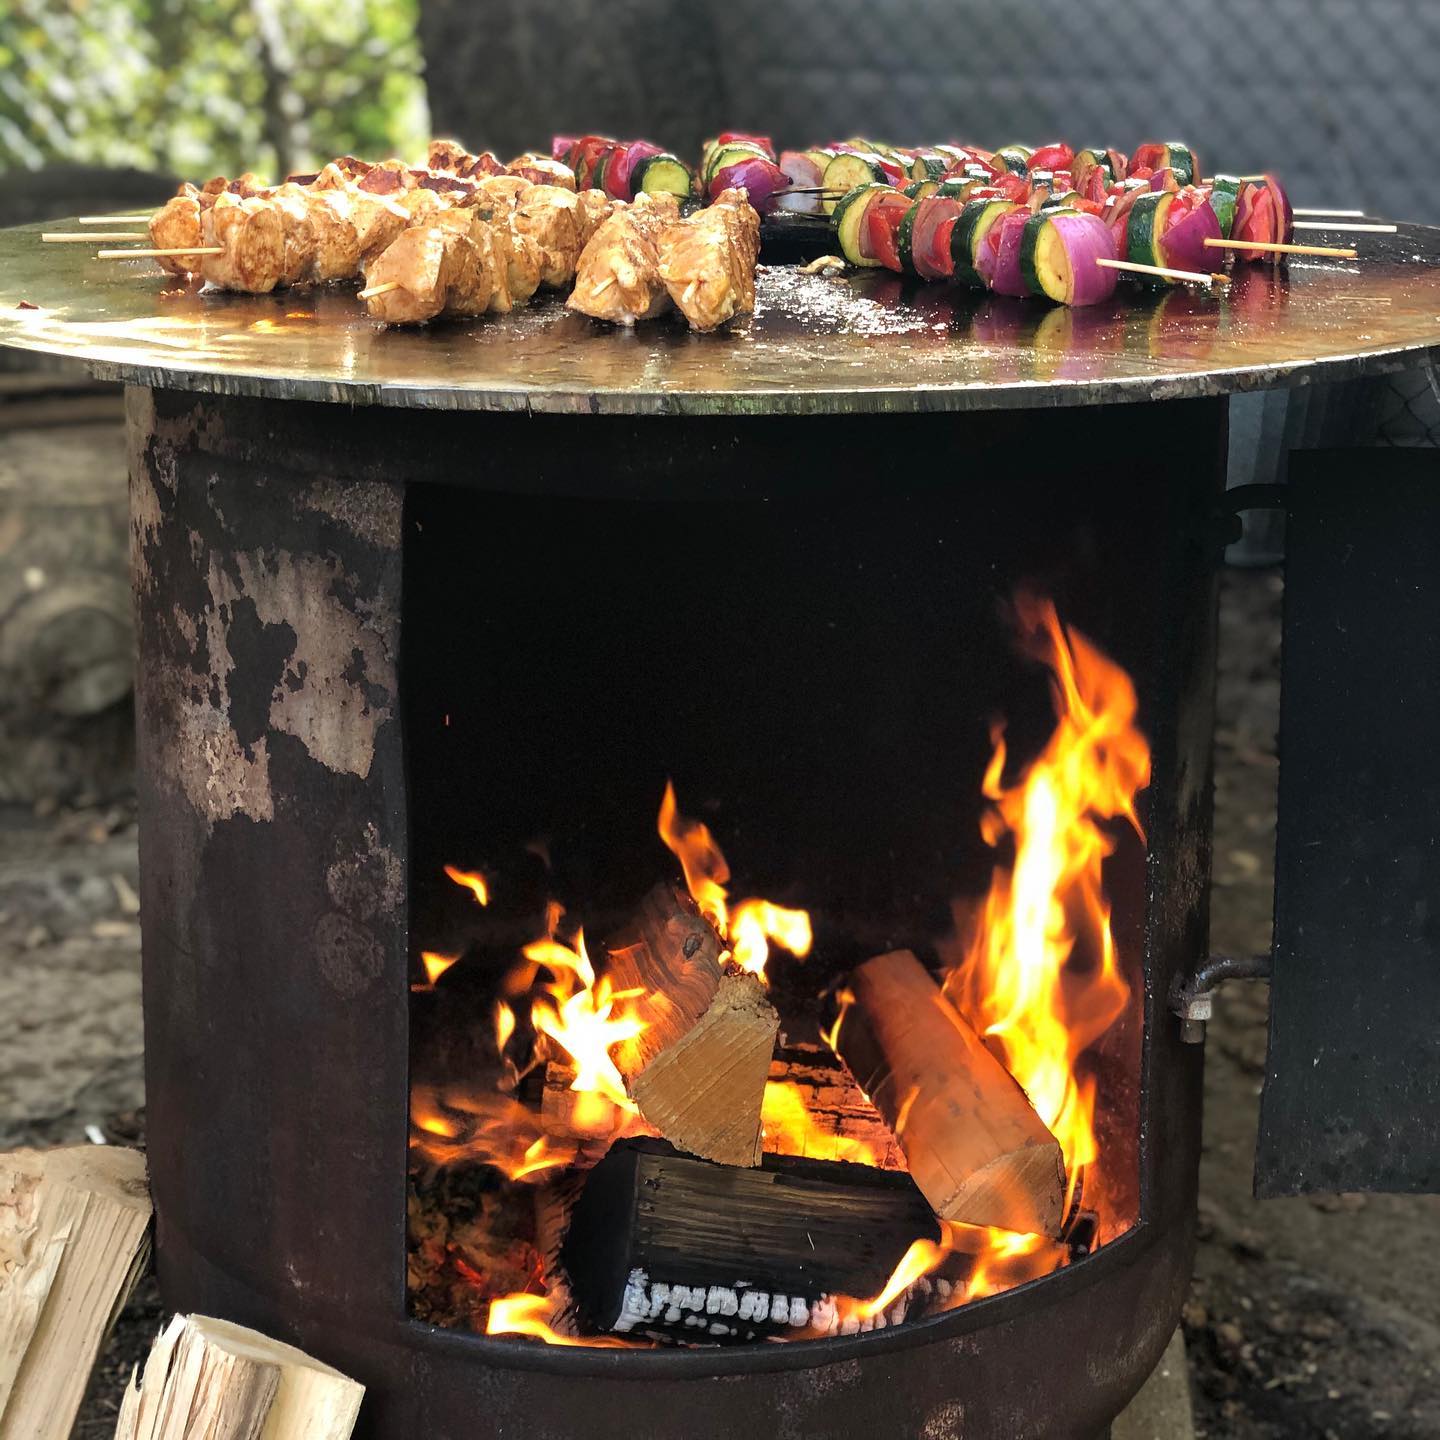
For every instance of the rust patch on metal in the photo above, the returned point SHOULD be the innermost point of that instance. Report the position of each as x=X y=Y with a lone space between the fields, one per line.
x=350 y=957
x=365 y=880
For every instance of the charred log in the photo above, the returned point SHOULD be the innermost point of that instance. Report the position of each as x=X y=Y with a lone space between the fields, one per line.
x=664 y=1245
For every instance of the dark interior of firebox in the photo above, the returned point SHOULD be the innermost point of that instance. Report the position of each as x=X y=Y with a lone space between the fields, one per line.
x=820 y=674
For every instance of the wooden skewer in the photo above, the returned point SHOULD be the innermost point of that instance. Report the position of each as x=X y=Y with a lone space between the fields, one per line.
x=158 y=254
x=1270 y=249
x=1353 y=214
x=384 y=289
x=90 y=237
x=112 y=219
x=1196 y=277
x=1326 y=225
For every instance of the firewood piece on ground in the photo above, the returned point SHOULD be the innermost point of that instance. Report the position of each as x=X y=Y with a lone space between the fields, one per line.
x=74 y=1239
x=207 y=1377
x=839 y=1122
x=665 y=1245
x=975 y=1145
x=697 y=1071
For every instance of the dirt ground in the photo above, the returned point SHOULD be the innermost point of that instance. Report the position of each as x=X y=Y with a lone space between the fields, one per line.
x=1308 y=1318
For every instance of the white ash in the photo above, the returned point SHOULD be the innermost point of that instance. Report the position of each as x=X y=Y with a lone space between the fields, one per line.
x=646 y=1301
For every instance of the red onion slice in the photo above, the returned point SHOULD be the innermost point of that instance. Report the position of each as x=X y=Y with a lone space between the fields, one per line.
x=1086 y=239
x=1000 y=268
x=804 y=172
x=760 y=179
x=1183 y=244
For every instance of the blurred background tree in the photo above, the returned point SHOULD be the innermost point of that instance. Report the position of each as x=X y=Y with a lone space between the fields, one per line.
x=196 y=87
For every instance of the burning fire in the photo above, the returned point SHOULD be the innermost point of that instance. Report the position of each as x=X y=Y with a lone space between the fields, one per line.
x=790 y=1129
x=484 y=1128
x=473 y=881
x=754 y=923
x=581 y=1018
x=1036 y=973
x=1039 y=974
x=436 y=964
x=1019 y=983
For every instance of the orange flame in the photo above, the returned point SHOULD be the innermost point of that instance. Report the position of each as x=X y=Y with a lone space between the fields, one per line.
x=790 y=1129
x=581 y=1017
x=524 y=1314
x=436 y=964
x=448 y=1126
x=504 y=1025
x=473 y=881
x=755 y=924
x=920 y=1259
x=1040 y=974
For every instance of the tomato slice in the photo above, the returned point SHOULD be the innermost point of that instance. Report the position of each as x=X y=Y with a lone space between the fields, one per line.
x=1147 y=157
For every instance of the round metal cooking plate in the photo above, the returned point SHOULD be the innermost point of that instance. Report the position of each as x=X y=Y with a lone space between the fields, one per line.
x=855 y=344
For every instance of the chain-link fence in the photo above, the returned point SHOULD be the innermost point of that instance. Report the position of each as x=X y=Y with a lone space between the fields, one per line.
x=1337 y=96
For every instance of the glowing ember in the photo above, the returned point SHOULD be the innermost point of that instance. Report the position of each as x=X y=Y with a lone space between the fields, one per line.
x=755 y=924
x=473 y=881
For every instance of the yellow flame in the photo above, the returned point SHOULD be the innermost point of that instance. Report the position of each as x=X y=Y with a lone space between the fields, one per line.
x=504 y=1024
x=484 y=1128
x=790 y=1129
x=920 y=1259
x=473 y=881
x=755 y=924
x=1022 y=982
x=436 y=964
x=581 y=1017
x=524 y=1314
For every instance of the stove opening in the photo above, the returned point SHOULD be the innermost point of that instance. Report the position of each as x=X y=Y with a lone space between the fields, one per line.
x=777 y=901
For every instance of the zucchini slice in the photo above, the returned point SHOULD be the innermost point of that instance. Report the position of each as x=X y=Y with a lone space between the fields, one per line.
x=1015 y=158
x=928 y=165
x=723 y=155
x=970 y=231
x=1145 y=224
x=845 y=172
x=849 y=220
x=662 y=175
x=919 y=189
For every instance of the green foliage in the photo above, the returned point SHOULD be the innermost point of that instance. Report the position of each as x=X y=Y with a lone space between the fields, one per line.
x=199 y=87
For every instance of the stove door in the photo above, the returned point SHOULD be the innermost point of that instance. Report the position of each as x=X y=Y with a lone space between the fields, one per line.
x=1352 y=1085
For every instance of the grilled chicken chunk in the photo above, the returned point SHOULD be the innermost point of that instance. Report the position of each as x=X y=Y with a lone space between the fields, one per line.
x=618 y=277
x=435 y=269
x=175 y=225
x=708 y=261
x=547 y=214
x=541 y=170
x=592 y=209
x=251 y=234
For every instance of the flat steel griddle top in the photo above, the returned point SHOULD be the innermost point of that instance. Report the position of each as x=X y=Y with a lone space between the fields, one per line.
x=861 y=343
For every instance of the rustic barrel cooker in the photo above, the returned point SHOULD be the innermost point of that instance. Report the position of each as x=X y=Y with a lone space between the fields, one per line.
x=391 y=585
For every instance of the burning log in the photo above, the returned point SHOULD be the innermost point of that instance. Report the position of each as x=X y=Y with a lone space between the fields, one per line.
x=976 y=1148
x=74 y=1239
x=664 y=1245
x=814 y=1108
x=697 y=1071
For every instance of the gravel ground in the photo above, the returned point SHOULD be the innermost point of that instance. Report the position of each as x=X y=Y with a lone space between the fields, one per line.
x=1308 y=1318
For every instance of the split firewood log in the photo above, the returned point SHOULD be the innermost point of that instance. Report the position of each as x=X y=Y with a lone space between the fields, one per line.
x=698 y=1069
x=974 y=1143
